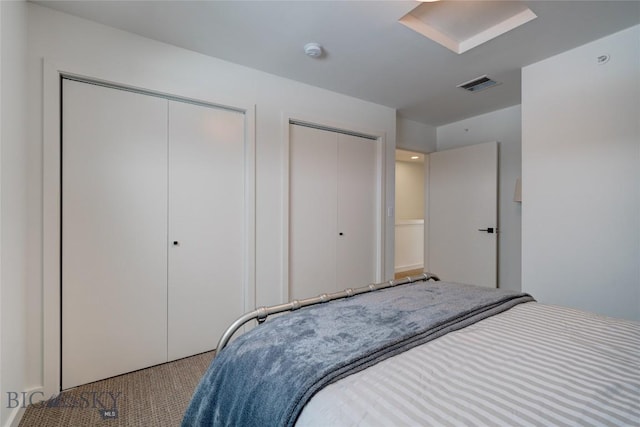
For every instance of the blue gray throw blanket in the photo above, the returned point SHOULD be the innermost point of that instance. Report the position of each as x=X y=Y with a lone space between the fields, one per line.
x=266 y=376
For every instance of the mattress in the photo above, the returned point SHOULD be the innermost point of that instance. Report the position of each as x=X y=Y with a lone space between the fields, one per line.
x=534 y=364
x=267 y=375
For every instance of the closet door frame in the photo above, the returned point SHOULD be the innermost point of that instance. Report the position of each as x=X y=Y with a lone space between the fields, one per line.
x=379 y=139
x=53 y=74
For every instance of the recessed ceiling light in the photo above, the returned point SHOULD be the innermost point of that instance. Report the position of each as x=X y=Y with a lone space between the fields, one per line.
x=415 y=157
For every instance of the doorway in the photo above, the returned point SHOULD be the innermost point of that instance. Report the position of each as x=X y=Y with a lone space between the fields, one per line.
x=410 y=213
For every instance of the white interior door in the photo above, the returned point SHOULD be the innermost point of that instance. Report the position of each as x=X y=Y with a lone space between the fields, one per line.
x=357 y=211
x=313 y=208
x=463 y=186
x=114 y=232
x=206 y=225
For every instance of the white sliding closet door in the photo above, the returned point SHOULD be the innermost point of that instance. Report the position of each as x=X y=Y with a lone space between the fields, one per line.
x=154 y=235
x=357 y=213
x=313 y=216
x=114 y=232
x=206 y=225
x=333 y=229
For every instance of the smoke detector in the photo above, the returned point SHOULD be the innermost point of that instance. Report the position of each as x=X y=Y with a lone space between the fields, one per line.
x=313 y=50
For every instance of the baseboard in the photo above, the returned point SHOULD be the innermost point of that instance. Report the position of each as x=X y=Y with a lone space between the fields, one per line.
x=408 y=267
x=16 y=414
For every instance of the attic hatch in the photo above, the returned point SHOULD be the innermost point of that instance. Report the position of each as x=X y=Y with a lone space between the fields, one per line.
x=478 y=84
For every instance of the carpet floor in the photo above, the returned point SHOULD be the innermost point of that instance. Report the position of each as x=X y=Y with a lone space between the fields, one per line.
x=156 y=396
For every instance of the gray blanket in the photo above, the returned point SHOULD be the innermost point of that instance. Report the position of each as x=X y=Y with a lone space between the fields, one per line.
x=266 y=376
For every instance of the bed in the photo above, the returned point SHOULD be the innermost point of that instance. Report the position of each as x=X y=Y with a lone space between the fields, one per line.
x=421 y=353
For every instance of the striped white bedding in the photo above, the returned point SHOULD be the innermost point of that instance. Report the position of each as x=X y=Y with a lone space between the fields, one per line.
x=535 y=365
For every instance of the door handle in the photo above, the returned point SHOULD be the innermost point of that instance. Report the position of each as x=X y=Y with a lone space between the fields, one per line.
x=489 y=230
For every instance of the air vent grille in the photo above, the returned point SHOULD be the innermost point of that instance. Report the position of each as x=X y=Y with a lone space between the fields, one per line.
x=478 y=84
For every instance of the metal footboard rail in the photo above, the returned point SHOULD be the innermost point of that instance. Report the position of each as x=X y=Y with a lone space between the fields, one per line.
x=261 y=314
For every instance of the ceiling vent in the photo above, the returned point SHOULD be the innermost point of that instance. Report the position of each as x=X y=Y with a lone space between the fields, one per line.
x=478 y=84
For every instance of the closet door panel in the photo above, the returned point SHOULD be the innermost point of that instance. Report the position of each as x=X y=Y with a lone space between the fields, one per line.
x=207 y=225
x=357 y=211
x=114 y=232
x=313 y=226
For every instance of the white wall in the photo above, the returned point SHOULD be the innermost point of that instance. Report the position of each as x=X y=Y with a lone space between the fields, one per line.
x=415 y=136
x=409 y=248
x=503 y=126
x=409 y=190
x=105 y=53
x=15 y=202
x=581 y=177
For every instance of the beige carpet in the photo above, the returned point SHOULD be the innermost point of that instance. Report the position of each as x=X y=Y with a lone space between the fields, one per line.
x=156 y=396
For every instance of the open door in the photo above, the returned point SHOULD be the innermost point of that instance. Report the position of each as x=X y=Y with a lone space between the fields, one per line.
x=463 y=214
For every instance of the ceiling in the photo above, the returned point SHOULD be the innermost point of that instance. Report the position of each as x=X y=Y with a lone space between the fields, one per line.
x=368 y=53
